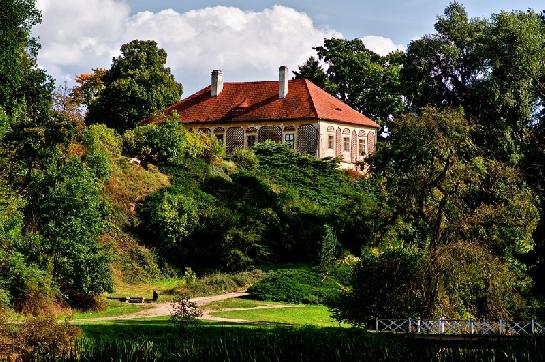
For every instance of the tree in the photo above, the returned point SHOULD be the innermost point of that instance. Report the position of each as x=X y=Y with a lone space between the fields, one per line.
x=89 y=87
x=439 y=196
x=69 y=213
x=357 y=76
x=491 y=68
x=313 y=71
x=137 y=85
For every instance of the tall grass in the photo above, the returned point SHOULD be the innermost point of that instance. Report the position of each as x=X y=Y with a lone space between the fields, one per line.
x=302 y=344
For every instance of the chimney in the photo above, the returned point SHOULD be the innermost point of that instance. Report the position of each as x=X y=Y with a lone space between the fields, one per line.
x=217 y=83
x=283 y=82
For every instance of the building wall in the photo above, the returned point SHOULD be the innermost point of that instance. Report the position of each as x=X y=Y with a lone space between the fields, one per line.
x=295 y=132
x=361 y=142
x=305 y=135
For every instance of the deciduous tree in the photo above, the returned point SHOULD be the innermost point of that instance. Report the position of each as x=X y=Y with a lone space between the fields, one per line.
x=137 y=85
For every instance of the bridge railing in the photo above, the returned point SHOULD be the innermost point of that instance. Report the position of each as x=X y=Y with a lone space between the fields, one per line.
x=460 y=326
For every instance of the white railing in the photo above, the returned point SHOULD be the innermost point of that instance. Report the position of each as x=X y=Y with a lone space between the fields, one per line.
x=459 y=326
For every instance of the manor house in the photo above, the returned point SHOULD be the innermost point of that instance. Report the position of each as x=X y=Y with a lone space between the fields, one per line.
x=296 y=112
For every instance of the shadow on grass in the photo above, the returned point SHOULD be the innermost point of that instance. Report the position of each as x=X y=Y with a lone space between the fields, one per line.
x=163 y=329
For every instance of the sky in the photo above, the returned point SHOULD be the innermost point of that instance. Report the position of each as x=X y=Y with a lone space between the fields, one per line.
x=249 y=40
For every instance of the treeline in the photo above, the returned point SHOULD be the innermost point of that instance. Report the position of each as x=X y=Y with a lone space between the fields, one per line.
x=458 y=180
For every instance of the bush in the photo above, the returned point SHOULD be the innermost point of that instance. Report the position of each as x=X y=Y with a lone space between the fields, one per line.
x=219 y=283
x=101 y=139
x=328 y=249
x=170 y=142
x=185 y=312
x=296 y=286
x=386 y=285
x=43 y=335
x=244 y=158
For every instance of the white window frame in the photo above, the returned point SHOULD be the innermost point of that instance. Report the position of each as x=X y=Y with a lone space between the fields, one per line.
x=292 y=134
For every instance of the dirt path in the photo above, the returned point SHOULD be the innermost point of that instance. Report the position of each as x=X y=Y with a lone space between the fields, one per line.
x=165 y=309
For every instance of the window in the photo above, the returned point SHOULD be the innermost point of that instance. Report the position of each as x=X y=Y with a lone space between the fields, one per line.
x=250 y=140
x=331 y=142
x=362 y=147
x=219 y=137
x=289 y=138
x=346 y=144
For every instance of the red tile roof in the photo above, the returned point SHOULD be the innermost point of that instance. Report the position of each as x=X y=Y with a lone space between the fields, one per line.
x=258 y=101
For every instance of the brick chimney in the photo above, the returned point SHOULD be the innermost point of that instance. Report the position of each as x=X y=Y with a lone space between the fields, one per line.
x=283 y=82
x=217 y=83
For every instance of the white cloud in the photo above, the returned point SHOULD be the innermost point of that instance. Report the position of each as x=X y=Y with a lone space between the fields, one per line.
x=381 y=45
x=78 y=35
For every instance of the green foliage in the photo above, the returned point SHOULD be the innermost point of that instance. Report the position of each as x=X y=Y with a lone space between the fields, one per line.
x=487 y=66
x=296 y=286
x=446 y=217
x=313 y=71
x=244 y=158
x=174 y=215
x=359 y=77
x=30 y=289
x=169 y=142
x=328 y=249
x=387 y=285
x=69 y=211
x=98 y=138
x=218 y=283
x=100 y=164
x=4 y=123
x=474 y=283
x=137 y=85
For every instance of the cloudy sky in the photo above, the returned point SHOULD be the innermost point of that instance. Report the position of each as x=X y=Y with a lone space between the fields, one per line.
x=247 y=39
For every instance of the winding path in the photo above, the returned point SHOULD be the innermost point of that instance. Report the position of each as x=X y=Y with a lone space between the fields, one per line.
x=165 y=309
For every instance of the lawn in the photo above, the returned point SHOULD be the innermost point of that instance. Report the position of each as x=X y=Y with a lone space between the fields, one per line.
x=299 y=315
x=242 y=302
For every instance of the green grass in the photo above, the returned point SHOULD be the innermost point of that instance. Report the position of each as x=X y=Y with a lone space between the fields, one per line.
x=301 y=315
x=113 y=309
x=238 y=303
x=205 y=341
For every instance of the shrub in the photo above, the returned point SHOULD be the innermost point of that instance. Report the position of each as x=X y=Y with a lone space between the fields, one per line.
x=296 y=286
x=43 y=335
x=185 y=312
x=170 y=142
x=100 y=139
x=5 y=298
x=218 y=283
x=327 y=249
x=245 y=158
x=387 y=285
x=172 y=214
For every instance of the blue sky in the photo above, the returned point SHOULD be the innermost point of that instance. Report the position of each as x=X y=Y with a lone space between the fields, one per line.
x=396 y=19
x=249 y=40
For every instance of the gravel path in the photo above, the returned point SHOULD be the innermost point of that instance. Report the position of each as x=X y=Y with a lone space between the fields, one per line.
x=165 y=309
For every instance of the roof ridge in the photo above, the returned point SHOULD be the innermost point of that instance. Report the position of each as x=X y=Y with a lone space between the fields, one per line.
x=311 y=97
